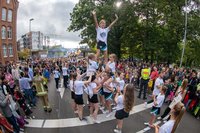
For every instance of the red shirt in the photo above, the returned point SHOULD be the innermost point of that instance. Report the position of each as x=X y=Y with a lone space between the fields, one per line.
x=154 y=75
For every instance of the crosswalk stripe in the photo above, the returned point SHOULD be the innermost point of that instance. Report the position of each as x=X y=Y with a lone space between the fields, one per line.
x=73 y=122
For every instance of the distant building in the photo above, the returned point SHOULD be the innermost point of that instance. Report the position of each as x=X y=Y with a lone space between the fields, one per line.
x=8 y=43
x=35 y=41
x=57 y=51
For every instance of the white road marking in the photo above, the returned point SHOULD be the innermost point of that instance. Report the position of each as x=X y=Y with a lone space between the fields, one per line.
x=73 y=122
x=62 y=89
x=148 y=128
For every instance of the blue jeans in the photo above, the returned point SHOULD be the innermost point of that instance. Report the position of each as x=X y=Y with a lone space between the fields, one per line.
x=30 y=97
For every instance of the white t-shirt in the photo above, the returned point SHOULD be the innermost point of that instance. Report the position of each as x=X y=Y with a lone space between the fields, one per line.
x=167 y=127
x=102 y=34
x=92 y=66
x=120 y=103
x=71 y=85
x=121 y=84
x=158 y=82
x=160 y=99
x=106 y=90
x=111 y=65
x=91 y=86
x=64 y=71
x=176 y=100
x=56 y=74
x=78 y=87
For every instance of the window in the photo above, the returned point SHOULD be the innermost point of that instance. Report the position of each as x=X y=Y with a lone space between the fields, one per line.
x=8 y=1
x=3 y=17
x=4 y=50
x=9 y=33
x=9 y=15
x=3 y=32
x=10 y=49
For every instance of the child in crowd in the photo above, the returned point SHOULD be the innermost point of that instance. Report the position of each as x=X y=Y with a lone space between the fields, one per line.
x=157 y=104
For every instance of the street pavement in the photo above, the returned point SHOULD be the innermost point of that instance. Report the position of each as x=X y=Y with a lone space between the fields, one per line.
x=63 y=120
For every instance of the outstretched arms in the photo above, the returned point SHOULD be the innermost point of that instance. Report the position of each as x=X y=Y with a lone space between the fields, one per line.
x=110 y=26
x=95 y=18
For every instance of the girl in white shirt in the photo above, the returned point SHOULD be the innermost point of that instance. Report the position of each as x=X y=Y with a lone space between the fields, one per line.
x=125 y=104
x=158 y=101
x=180 y=94
x=92 y=64
x=93 y=99
x=171 y=125
x=102 y=34
x=71 y=85
x=78 y=89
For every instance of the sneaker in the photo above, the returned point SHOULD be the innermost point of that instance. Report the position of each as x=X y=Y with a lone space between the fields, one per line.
x=164 y=121
x=114 y=108
x=76 y=112
x=105 y=112
x=145 y=104
x=109 y=115
x=83 y=119
x=102 y=108
x=96 y=121
x=147 y=124
x=117 y=131
x=159 y=118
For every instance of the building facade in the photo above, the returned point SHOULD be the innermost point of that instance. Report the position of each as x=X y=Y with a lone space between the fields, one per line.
x=37 y=42
x=8 y=23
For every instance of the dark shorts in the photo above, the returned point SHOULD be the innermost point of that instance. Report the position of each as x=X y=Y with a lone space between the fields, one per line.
x=101 y=91
x=108 y=96
x=93 y=99
x=72 y=95
x=79 y=99
x=155 y=110
x=121 y=114
x=102 y=46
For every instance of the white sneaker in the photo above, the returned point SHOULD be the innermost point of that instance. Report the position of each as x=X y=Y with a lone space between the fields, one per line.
x=96 y=121
x=76 y=112
x=102 y=108
x=145 y=104
x=105 y=112
x=114 y=108
x=109 y=115
x=147 y=124
x=117 y=131
x=159 y=118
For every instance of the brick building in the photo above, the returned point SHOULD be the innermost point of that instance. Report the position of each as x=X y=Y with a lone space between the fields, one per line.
x=8 y=22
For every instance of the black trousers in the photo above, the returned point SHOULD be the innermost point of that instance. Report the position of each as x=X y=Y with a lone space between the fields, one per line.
x=65 y=82
x=13 y=122
x=57 y=81
x=167 y=110
x=143 y=86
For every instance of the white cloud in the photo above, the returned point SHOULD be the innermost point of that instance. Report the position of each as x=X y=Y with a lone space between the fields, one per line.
x=50 y=17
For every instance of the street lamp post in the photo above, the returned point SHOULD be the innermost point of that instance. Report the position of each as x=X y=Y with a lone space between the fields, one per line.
x=30 y=20
x=185 y=33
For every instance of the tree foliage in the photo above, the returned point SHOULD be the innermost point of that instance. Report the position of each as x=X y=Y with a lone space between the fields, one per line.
x=148 y=29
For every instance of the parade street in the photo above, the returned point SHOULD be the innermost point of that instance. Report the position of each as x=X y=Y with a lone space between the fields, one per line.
x=63 y=120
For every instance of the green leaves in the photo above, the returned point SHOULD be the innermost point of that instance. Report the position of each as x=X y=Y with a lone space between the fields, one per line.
x=148 y=29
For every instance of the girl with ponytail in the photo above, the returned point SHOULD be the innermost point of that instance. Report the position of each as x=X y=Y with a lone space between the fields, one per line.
x=171 y=125
x=125 y=104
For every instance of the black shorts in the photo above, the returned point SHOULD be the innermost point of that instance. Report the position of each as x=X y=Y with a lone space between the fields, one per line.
x=93 y=99
x=72 y=95
x=79 y=99
x=121 y=114
x=101 y=45
x=101 y=92
x=108 y=96
x=155 y=110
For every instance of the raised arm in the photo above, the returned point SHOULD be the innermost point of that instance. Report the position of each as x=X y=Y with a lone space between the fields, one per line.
x=95 y=18
x=110 y=26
